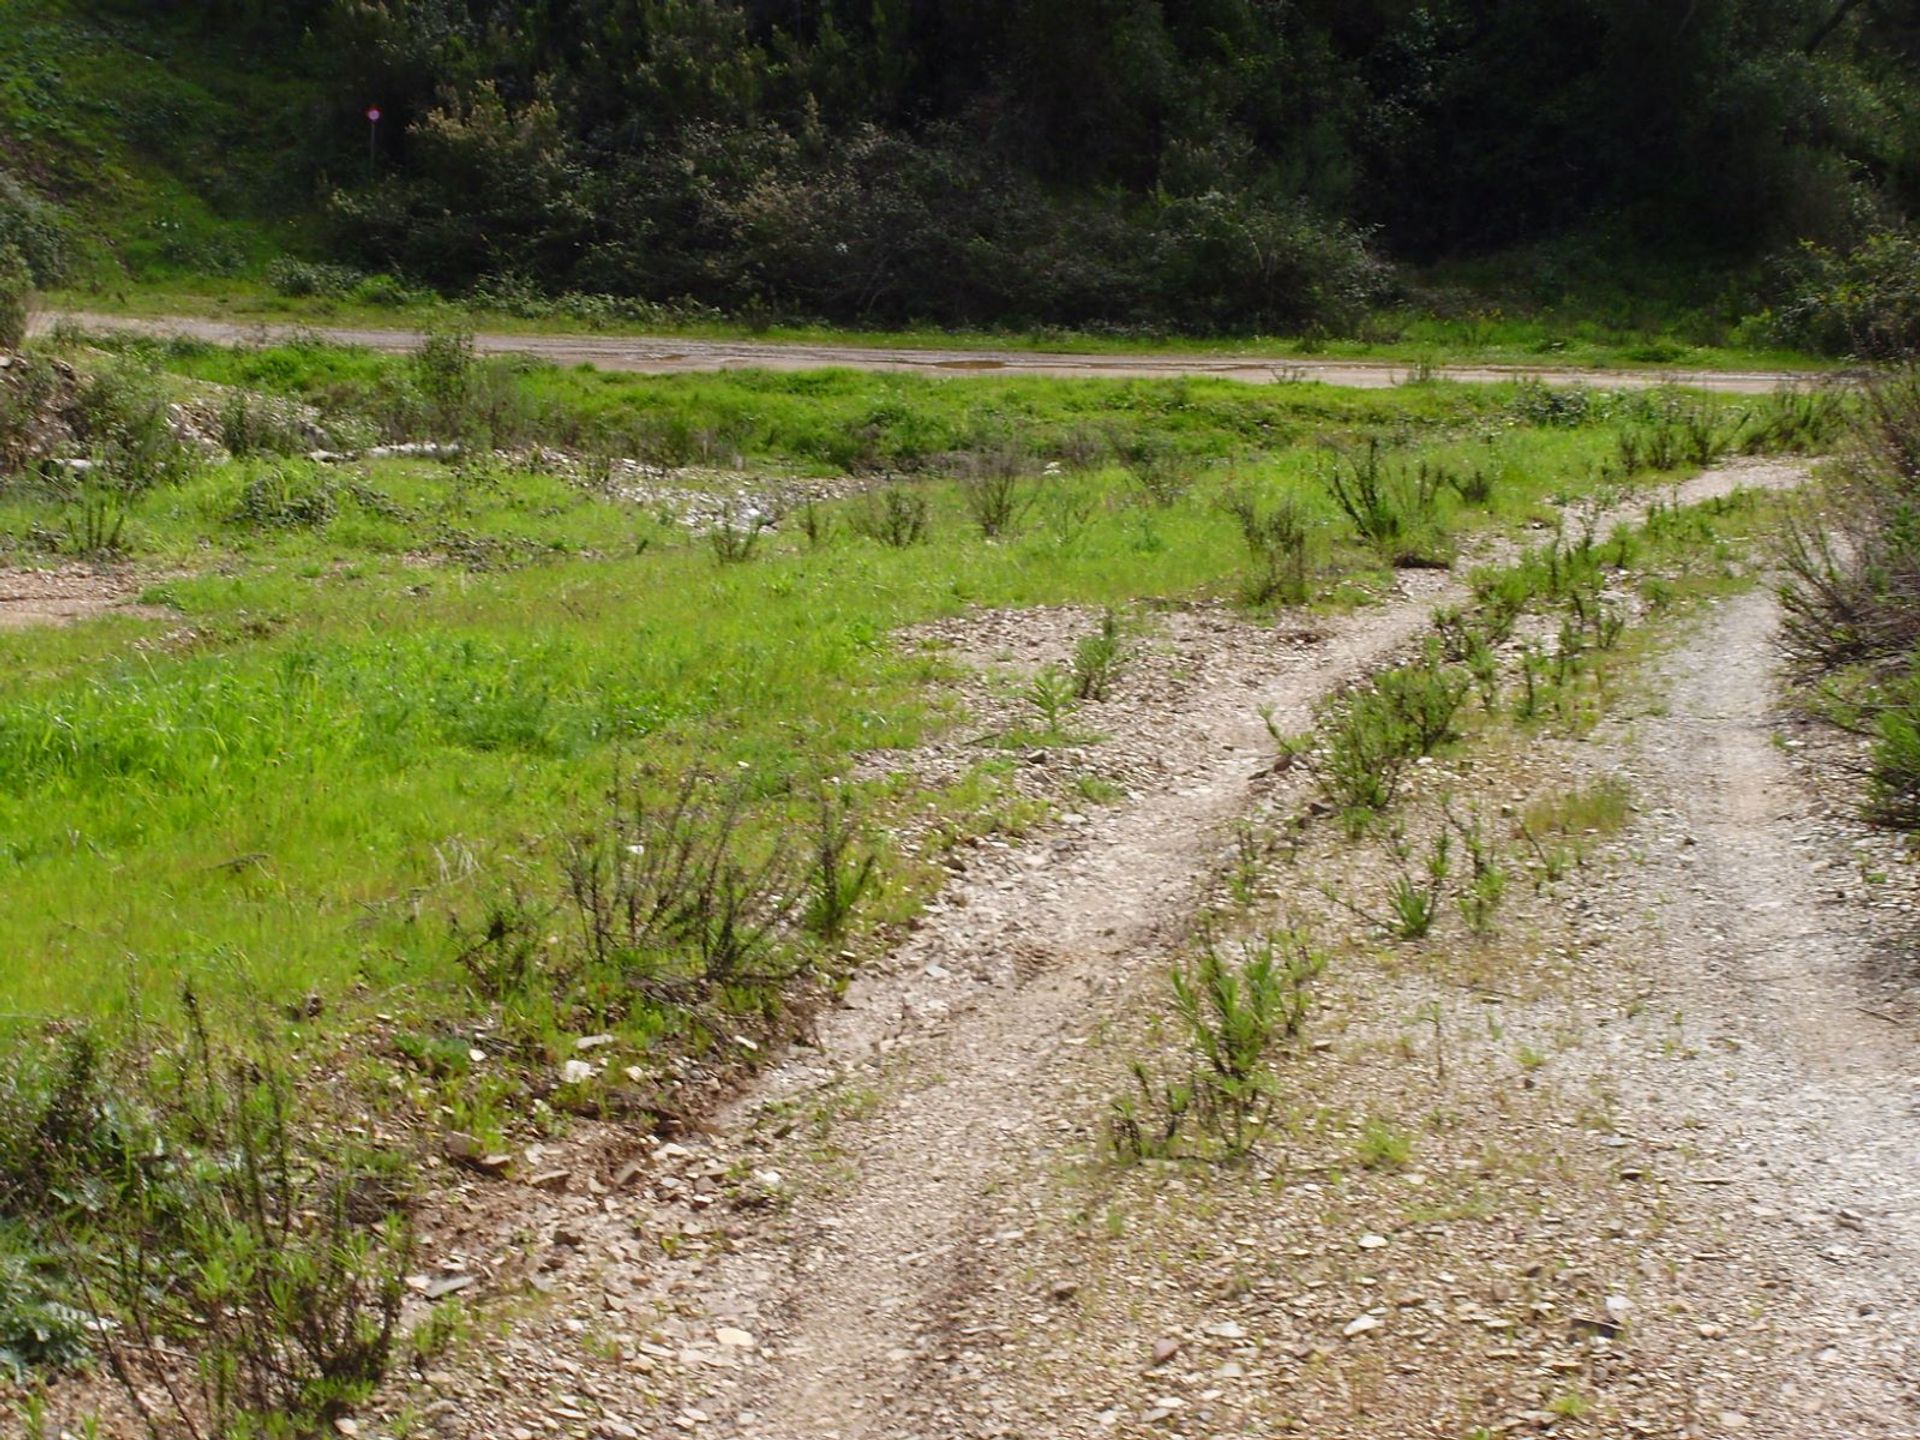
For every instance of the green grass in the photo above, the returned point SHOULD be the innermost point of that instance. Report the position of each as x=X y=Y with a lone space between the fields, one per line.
x=165 y=142
x=358 y=735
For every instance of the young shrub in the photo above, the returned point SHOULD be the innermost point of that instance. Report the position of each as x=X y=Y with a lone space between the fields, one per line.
x=288 y=496
x=736 y=531
x=995 y=483
x=1391 y=507
x=1276 y=540
x=1369 y=737
x=1098 y=660
x=444 y=371
x=843 y=869
x=1158 y=470
x=677 y=900
x=896 y=515
x=1235 y=1017
x=1052 y=694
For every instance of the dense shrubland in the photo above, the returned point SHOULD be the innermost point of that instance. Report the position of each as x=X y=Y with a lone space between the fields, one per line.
x=1236 y=165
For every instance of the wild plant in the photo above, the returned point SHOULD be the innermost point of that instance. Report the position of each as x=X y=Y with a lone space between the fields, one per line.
x=673 y=897
x=843 y=867
x=1235 y=1017
x=1391 y=507
x=1157 y=469
x=895 y=515
x=996 y=486
x=16 y=290
x=1051 y=692
x=444 y=371
x=1098 y=659
x=736 y=530
x=1368 y=737
x=1276 y=540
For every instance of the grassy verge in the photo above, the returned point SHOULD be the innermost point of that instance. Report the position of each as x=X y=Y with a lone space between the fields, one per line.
x=1408 y=337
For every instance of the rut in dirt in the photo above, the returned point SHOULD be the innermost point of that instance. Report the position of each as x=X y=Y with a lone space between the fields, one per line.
x=667 y=355
x=1810 y=1092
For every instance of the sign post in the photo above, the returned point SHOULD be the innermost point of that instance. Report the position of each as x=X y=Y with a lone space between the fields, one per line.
x=373 y=138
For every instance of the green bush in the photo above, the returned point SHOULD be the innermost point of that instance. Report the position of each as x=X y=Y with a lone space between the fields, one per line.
x=16 y=289
x=1864 y=301
x=35 y=228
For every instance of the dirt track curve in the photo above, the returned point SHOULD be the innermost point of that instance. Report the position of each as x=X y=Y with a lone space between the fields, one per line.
x=644 y=355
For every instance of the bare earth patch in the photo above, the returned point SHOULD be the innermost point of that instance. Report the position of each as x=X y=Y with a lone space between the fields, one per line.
x=69 y=593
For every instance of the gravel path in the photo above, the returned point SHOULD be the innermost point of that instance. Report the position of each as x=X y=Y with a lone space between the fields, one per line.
x=667 y=356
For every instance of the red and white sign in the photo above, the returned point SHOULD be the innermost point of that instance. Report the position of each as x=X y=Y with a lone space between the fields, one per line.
x=373 y=114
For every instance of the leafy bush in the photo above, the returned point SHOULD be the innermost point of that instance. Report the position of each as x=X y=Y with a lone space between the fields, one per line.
x=33 y=227
x=1864 y=301
x=16 y=289
x=994 y=483
x=122 y=416
x=301 y=279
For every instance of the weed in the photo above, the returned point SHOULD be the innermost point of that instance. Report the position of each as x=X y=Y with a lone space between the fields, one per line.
x=1051 y=692
x=253 y=425
x=1382 y=1147
x=895 y=515
x=1235 y=1015
x=843 y=869
x=16 y=290
x=445 y=372
x=1370 y=736
x=667 y=885
x=995 y=486
x=290 y=494
x=1158 y=470
x=1391 y=507
x=1098 y=659
x=1276 y=541
x=736 y=530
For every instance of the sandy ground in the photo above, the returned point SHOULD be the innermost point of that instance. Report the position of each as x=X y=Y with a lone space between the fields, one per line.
x=648 y=356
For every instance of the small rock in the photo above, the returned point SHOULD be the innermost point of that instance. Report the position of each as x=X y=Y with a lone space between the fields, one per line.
x=733 y=1339
x=1064 y=1290
x=346 y=1426
x=1164 y=1350
x=1227 y=1330
x=1361 y=1326
x=555 y=1180
x=592 y=1042
x=1372 y=1242
x=576 y=1072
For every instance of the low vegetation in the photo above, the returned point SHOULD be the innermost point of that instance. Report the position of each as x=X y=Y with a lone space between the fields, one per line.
x=1852 y=594
x=447 y=757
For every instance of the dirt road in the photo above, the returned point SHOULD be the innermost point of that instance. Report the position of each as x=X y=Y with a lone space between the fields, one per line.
x=1644 y=1164
x=645 y=356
